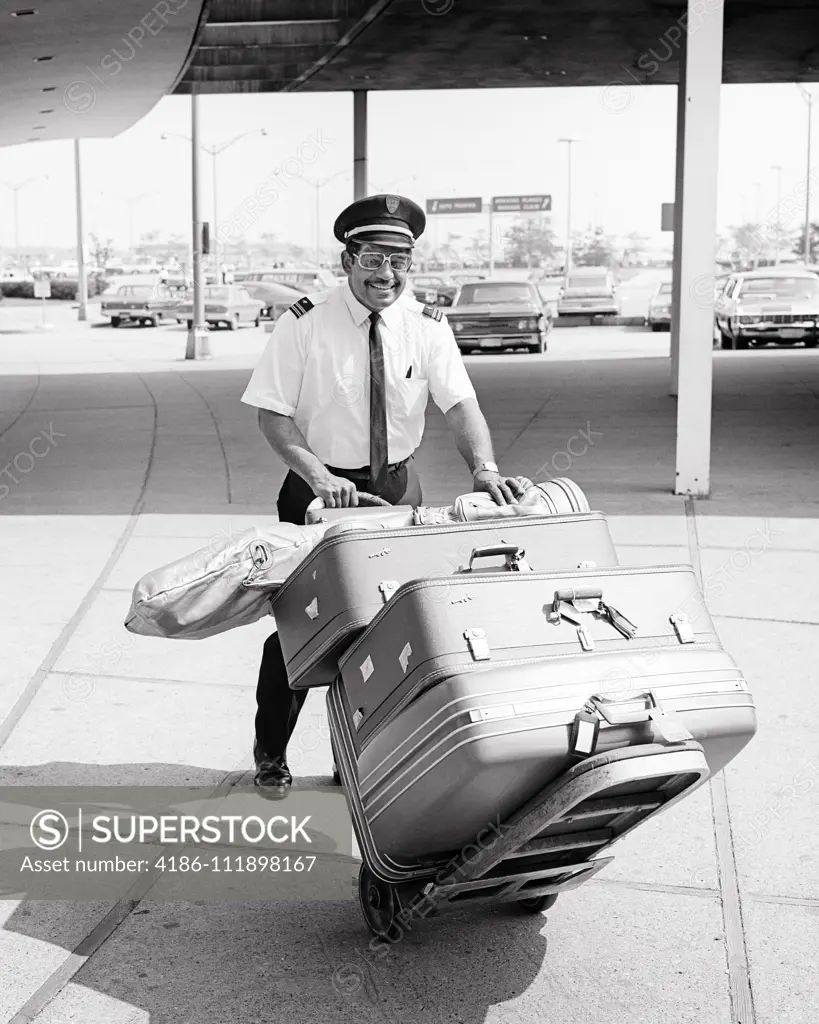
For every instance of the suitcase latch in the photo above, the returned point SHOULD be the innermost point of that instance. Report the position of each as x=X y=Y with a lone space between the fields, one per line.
x=358 y=717
x=388 y=588
x=478 y=644
x=683 y=628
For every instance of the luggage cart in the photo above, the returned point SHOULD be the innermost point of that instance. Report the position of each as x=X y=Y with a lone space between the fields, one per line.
x=554 y=843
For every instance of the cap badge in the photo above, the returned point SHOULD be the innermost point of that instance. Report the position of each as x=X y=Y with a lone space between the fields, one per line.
x=393 y=202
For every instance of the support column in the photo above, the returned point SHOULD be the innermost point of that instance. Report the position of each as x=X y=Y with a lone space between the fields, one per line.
x=699 y=105
x=82 y=283
x=198 y=346
x=673 y=388
x=359 y=143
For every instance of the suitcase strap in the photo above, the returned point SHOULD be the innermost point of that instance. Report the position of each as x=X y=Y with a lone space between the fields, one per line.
x=586 y=726
x=571 y=603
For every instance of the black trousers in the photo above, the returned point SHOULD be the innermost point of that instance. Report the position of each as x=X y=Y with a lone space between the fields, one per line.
x=278 y=706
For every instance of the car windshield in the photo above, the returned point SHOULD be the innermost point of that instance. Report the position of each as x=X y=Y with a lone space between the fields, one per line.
x=665 y=288
x=220 y=294
x=779 y=288
x=474 y=294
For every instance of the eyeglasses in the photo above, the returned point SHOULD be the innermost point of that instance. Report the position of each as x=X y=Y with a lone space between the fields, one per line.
x=400 y=261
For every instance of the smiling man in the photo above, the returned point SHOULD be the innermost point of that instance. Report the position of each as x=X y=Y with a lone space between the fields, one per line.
x=342 y=390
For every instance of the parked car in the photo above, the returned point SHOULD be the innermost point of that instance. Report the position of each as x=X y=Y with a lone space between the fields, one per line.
x=227 y=304
x=499 y=315
x=589 y=291
x=147 y=304
x=275 y=297
x=433 y=290
x=303 y=279
x=760 y=306
x=659 y=308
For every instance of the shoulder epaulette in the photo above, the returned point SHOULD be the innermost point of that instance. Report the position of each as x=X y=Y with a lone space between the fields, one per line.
x=434 y=311
x=304 y=305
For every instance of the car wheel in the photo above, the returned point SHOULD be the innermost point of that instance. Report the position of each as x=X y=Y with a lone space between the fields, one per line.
x=538 y=349
x=811 y=342
x=742 y=343
x=190 y=324
x=233 y=323
x=656 y=327
x=115 y=321
x=725 y=341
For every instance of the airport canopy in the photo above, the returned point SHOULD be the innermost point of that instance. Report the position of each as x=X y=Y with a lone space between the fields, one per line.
x=106 y=63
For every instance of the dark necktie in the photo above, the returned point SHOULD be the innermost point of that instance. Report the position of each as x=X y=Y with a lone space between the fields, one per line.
x=378 y=410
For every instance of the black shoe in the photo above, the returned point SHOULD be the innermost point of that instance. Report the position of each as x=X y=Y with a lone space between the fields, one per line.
x=273 y=778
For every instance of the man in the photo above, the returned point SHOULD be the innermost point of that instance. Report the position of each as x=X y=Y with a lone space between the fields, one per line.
x=342 y=389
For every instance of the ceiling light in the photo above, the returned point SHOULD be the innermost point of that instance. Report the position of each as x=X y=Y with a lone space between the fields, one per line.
x=24 y=13
x=37 y=60
x=38 y=128
x=50 y=88
x=51 y=111
x=35 y=139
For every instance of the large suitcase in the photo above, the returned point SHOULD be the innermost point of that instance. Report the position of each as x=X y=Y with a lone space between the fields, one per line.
x=347 y=579
x=433 y=628
x=475 y=747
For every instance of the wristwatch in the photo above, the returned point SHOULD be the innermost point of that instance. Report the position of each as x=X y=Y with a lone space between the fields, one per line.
x=489 y=467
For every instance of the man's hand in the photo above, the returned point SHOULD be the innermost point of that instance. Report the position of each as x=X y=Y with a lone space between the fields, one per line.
x=504 y=490
x=336 y=491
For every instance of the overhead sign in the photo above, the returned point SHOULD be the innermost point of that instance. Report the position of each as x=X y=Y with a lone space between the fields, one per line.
x=667 y=217
x=521 y=204
x=472 y=204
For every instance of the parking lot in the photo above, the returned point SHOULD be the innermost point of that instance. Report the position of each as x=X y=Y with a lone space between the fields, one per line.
x=152 y=455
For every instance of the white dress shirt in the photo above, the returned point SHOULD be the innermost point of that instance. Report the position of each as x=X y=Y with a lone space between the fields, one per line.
x=315 y=369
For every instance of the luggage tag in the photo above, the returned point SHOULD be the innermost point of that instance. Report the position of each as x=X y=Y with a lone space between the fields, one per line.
x=669 y=726
x=586 y=641
x=584 y=732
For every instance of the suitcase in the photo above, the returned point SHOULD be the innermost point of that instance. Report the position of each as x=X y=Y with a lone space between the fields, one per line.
x=346 y=580
x=433 y=628
x=475 y=747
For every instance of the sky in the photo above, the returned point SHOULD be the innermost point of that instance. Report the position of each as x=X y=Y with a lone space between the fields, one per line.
x=422 y=144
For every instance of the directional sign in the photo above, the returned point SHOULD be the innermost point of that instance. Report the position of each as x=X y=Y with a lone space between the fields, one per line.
x=472 y=204
x=521 y=204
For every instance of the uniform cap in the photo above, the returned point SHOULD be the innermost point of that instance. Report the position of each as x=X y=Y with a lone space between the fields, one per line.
x=388 y=220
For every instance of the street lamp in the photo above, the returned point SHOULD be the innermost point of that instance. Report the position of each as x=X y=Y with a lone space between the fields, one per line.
x=318 y=186
x=778 y=169
x=808 y=98
x=568 y=142
x=15 y=189
x=215 y=151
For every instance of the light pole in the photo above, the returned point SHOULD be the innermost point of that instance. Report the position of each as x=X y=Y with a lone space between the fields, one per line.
x=778 y=169
x=568 y=261
x=215 y=151
x=15 y=189
x=82 y=285
x=131 y=202
x=808 y=98
x=318 y=186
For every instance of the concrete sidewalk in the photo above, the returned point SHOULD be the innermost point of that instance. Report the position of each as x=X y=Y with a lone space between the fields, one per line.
x=707 y=915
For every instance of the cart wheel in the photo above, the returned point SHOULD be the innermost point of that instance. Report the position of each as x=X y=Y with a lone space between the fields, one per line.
x=537 y=904
x=379 y=904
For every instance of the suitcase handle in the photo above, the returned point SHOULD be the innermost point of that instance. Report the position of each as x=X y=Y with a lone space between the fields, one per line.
x=579 y=594
x=603 y=705
x=512 y=552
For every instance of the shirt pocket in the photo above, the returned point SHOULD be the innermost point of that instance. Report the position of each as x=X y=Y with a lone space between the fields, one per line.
x=412 y=396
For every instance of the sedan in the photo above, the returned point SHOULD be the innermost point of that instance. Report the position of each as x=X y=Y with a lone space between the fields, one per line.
x=433 y=290
x=499 y=315
x=275 y=297
x=759 y=306
x=146 y=304
x=659 y=308
x=227 y=304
